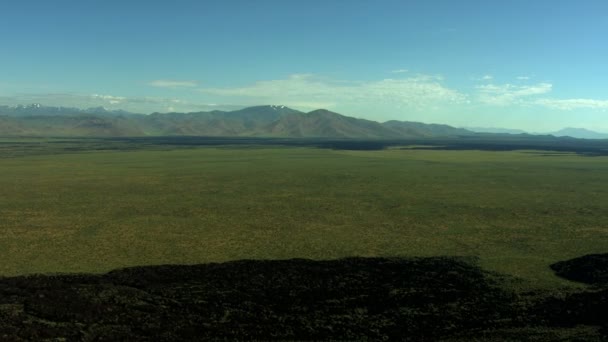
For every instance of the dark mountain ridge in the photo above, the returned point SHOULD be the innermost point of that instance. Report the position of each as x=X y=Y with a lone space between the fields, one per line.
x=258 y=121
x=269 y=121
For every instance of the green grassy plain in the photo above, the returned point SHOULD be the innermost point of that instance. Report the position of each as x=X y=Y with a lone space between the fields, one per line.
x=93 y=211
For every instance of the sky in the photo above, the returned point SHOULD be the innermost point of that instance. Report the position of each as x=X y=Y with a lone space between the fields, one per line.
x=535 y=65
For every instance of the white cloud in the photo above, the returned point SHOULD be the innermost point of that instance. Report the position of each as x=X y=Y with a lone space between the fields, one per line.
x=310 y=91
x=403 y=94
x=113 y=100
x=523 y=78
x=172 y=83
x=399 y=71
x=485 y=78
x=509 y=94
x=571 y=104
x=526 y=95
x=144 y=104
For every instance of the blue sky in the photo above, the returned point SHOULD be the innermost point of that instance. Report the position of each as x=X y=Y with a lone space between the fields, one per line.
x=535 y=65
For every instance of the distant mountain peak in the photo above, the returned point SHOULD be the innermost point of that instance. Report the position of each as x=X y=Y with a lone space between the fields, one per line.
x=272 y=107
x=580 y=133
x=322 y=111
x=574 y=129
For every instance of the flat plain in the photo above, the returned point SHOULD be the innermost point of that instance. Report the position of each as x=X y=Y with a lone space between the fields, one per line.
x=94 y=206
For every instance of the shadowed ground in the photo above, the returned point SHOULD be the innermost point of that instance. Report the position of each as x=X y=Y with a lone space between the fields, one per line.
x=347 y=299
x=590 y=269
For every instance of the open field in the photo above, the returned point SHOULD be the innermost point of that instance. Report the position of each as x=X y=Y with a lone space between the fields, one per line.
x=93 y=210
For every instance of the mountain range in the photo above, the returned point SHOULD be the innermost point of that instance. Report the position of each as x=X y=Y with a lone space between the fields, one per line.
x=498 y=130
x=572 y=132
x=258 y=121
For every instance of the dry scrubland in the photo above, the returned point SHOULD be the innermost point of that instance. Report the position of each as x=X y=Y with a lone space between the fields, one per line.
x=93 y=211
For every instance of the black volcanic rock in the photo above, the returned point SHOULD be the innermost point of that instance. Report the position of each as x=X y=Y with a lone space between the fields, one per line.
x=587 y=307
x=590 y=269
x=372 y=299
x=352 y=299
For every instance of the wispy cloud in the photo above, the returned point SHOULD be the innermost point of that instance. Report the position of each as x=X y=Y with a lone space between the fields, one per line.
x=523 y=78
x=528 y=95
x=312 y=91
x=113 y=100
x=399 y=71
x=146 y=104
x=417 y=96
x=571 y=104
x=484 y=78
x=509 y=94
x=172 y=83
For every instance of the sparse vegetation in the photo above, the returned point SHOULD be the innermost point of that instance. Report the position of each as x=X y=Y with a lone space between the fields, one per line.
x=91 y=207
x=94 y=205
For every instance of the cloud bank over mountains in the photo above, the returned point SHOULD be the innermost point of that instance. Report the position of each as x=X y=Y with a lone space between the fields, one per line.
x=416 y=95
x=307 y=90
